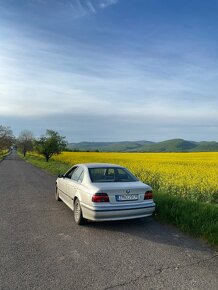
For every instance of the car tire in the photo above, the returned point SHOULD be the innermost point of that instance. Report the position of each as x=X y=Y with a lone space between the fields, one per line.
x=78 y=215
x=56 y=194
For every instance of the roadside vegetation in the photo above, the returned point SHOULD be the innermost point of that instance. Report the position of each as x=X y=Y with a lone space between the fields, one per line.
x=52 y=143
x=25 y=142
x=3 y=154
x=6 y=140
x=185 y=184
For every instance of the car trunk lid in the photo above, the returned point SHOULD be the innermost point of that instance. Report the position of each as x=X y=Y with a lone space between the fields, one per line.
x=124 y=192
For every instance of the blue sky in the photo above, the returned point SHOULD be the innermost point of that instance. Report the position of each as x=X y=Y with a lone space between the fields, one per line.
x=110 y=70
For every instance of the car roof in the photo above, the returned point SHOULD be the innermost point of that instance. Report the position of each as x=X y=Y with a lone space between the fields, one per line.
x=98 y=165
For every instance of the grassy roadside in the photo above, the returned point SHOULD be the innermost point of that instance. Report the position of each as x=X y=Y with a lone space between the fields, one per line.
x=3 y=154
x=196 y=218
x=53 y=167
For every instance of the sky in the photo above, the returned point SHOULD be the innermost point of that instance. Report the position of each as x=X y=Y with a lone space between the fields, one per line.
x=110 y=70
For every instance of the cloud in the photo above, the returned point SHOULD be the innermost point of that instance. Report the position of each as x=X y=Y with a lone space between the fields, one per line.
x=106 y=3
x=53 y=9
x=91 y=7
x=78 y=7
x=42 y=79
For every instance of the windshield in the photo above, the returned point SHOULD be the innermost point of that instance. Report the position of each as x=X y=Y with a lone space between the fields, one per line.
x=111 y=174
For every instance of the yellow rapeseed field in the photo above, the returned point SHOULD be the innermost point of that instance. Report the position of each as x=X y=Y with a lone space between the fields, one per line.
x=190 y=175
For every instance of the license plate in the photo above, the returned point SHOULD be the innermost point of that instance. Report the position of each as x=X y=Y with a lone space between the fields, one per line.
x=126 y=197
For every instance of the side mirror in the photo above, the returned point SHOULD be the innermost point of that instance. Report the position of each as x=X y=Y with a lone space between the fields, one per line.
x=60 y=175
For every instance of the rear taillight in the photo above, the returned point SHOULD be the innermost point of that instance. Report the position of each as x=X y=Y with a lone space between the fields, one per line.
x=100 y=197
x=148 y=194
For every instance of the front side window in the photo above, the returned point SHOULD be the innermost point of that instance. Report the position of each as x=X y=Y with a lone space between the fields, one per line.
x=70 y=173
x=111 y=174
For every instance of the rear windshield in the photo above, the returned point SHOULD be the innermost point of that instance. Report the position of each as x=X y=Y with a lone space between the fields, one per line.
x=111 y=174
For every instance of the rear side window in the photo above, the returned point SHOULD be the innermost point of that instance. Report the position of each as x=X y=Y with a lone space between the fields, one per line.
x=111 y=174
x=78 y=174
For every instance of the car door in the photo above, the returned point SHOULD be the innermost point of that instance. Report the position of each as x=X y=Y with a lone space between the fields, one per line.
x=75 y=182
x=63 y=182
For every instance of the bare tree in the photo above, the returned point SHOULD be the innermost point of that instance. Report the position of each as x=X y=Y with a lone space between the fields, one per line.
x=6 y=138
x=25 y=141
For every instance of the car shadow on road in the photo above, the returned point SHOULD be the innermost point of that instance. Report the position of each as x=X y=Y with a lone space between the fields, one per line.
x=150 y=229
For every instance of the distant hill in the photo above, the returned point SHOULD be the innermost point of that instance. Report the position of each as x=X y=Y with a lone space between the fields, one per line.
x=173 y=145
x=207 y=146
x=123 y=146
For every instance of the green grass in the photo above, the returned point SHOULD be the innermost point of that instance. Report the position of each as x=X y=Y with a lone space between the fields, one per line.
x=193 y=217
x=3 y=154
x=54 y=167
x=197 y=218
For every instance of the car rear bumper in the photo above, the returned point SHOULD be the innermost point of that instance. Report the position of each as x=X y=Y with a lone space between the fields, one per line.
x=109 y=213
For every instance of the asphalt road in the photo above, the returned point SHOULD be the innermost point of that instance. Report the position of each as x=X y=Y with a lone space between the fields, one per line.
x=42 y=248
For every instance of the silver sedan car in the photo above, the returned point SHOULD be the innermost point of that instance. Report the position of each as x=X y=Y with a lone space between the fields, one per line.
x=104 y=192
